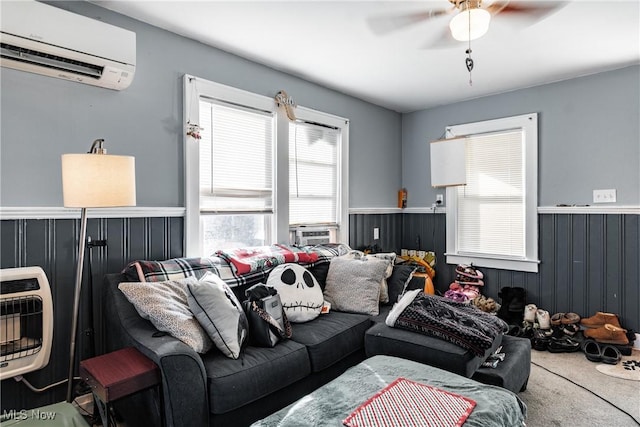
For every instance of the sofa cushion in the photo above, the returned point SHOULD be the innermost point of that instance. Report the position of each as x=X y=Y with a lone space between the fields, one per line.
x=381 y=317
x=165 y=305
x=299 y=291
x=513 y=372
x=331 y=337
x=353 y=285
x=219 y=312
x=382 y=339
x=261 y=371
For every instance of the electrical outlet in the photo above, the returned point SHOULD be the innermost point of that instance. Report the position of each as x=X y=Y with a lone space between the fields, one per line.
x=604 y=196
x=376 y=233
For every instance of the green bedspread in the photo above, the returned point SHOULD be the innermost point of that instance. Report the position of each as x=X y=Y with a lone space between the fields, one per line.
x=332 y=403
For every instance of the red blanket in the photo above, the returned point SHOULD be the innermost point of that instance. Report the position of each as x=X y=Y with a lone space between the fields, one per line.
x=249 y=260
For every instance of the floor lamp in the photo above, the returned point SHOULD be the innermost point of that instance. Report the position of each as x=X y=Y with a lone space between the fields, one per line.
x=93 y=180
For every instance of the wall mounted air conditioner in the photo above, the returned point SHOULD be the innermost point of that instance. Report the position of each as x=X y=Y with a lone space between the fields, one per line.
x=310 y=236
x=43 y=39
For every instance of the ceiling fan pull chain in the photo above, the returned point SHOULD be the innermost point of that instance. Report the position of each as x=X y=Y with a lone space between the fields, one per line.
x=469 y=64
x=469 y=61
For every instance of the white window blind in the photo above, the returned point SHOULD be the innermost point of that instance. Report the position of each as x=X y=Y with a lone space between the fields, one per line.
x=236 y=159
x=313 y=174
x=491 y=207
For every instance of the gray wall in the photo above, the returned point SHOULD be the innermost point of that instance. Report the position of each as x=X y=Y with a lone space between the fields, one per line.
x=589 y=137
x=43 y=117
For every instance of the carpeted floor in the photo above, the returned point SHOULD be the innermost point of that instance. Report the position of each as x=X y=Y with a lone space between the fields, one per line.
x=565 y=389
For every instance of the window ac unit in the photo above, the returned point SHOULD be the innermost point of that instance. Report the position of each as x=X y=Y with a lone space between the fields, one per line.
x=309 y=236
x=43 y=39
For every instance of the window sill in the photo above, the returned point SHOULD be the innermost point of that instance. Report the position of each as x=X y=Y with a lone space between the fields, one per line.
x=526 y=265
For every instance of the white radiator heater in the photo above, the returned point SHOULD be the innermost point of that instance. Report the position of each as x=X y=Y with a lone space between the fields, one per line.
x=26 y=321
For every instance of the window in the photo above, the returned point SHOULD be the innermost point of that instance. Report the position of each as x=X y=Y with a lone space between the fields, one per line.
x=492 y=221
x=313 y=174
x=248 y=158
x=236 y=176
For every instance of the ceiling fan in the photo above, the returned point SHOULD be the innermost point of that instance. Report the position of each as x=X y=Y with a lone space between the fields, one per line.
x=470 y=18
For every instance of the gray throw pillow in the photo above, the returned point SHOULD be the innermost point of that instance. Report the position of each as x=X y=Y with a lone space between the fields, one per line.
x=353 y=285
x=390 y=257
x=219 y=312
x=165 y=305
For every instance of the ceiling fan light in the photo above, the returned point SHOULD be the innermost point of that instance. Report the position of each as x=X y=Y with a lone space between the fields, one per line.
x=459 y=25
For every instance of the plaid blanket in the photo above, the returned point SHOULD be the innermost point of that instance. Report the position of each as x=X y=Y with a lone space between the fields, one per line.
x=176 y=268
x=253 y=259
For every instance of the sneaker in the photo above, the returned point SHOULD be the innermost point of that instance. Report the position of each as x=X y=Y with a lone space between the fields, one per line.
x=540 y=340
x=570 y=329
x=563 y=345
x=530 y=313
x=542 y=316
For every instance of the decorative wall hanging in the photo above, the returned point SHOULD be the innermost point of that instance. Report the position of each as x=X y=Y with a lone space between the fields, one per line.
x=284 y=100
x=193 y=130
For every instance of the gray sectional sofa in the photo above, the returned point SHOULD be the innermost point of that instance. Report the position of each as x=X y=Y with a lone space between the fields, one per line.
x=212 y=389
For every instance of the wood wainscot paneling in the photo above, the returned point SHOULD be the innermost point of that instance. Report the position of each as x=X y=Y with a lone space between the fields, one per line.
x=52 y=245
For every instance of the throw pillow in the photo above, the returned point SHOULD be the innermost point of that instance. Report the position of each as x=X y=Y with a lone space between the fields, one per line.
x=390 y=257
x=219 y=312
x=399 y=280
x=165 y=305
x=353 y=284
x=299 y=291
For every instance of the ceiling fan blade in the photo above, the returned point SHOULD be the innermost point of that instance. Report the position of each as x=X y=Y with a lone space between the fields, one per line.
x=385 y=24
x=526 y=9
x=443 y=41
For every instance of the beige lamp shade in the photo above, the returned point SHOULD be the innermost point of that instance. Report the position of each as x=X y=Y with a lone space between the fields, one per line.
x=98 y=180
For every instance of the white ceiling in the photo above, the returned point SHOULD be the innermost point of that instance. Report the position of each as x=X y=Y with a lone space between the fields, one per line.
x=333 y=44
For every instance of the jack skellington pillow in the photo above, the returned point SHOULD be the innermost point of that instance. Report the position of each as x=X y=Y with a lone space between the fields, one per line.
x=299 y=292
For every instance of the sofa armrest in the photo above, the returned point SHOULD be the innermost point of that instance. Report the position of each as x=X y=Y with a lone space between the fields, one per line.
x=184 y=380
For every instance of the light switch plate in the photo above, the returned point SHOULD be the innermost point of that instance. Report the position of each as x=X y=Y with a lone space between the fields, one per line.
x=604 y=196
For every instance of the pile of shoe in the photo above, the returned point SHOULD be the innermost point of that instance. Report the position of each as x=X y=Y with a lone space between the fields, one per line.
x=466 y=286
x=606 y=338
x=556 y=334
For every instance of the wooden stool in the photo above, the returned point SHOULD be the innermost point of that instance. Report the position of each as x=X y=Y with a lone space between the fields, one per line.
x=116 y=375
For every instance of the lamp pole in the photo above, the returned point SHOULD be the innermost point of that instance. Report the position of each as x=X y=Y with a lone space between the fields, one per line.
x=76 y=302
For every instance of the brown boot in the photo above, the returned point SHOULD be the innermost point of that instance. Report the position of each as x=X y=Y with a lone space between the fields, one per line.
x=600 y=319
x=608 y=334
